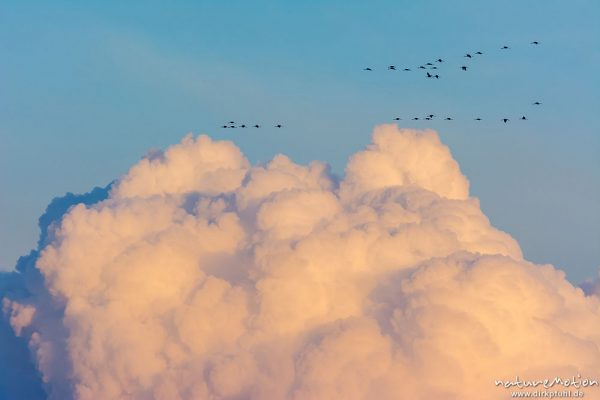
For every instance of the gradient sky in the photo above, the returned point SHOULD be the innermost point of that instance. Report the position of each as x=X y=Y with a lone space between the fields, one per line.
x=86 y=90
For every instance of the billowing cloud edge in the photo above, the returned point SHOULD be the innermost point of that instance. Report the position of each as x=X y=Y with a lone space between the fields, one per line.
x=199 y=275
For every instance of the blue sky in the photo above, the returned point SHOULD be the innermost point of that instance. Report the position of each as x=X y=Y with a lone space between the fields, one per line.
x=86 y=88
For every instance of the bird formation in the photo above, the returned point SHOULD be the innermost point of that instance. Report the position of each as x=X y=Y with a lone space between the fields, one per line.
x=433 y=65
x=429 y=75
x=232 y=125
x=437 y=63
x=430 y=117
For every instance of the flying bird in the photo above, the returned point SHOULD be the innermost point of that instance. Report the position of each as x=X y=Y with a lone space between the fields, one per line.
x=257 y=126
x=524 y=118
x=464 y=68
x=231 y=122
x=477 y=119
x=224 y=126
x=278 y=126
x=429 y=75
x=504 y=47
x=479 y=52
x=537 y=103
x=397 y=119
x=429 y=64
x=431 y=115
x=393 y=68
x=535 y=42
x=428 y=118
x=448 y=119
x=505 y=120
x=467 y=55
x=367 y=69
x=407 y=69
x=437 y=76
x=434 y=67
x=440 y=60
x=242 y=126
x=415 y=118
x=421 y=67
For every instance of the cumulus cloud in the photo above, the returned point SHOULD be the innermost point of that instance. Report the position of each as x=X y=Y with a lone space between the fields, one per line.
x=201 y=276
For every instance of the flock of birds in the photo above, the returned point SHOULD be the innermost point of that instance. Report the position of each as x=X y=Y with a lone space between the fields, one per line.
x=429 y=67
x=434 y=75
x=430 y=117
x=232 y=124
x=439 y=61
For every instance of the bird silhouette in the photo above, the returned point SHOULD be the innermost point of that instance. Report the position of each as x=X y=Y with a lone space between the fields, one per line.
x=440 y=60
x=429 y=64
x=479 y=53
x=407 y=69
x=437 y=76
x=415 y=118
x=421 y=67
x=397 y=119
x=505 y=47
x=464 y=68
x=537 y=103
x=257 y=126
x=477 y=119
x=367 y=69
x=431 y=115
x=505 y=120
x=524 y=118
x=224 y=126
x=242 y=126
x=429 y=75
x=448 y=119
x=434 y=67
x=278 y=126
x=231 y=122
x=232 y=127
x=467 y=55
x=535 y=42
x=393 y=68
x=428 y=118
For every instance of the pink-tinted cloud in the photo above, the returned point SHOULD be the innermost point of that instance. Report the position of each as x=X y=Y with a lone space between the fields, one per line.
x=204 y=277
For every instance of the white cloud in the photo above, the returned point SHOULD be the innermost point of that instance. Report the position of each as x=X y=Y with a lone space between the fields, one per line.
x=202 y=276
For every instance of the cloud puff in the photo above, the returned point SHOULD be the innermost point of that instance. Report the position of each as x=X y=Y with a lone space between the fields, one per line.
x=200 y=165
x=411 y=159
x=201 y=276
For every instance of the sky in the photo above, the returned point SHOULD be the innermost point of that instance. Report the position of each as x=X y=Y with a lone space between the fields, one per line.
x=86 y=89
